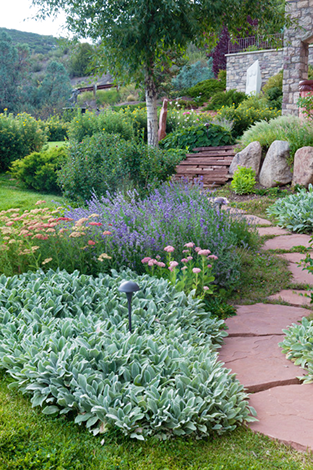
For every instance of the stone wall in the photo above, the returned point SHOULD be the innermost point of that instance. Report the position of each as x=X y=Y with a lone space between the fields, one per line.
x=271 y=62
x=296 y=51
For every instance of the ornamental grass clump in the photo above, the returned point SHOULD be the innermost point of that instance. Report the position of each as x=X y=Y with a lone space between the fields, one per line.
x=65 y=342
x=170 y=215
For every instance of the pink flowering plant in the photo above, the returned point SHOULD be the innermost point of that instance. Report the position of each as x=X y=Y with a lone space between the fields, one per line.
x=44 y=238
x=190 y=271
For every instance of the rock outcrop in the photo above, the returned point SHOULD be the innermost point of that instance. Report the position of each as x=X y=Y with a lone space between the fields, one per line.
x=303 y=167
x=249 y=157
x=275 y=170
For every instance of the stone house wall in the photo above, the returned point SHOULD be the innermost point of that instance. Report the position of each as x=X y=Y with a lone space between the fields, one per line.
x=271 y=62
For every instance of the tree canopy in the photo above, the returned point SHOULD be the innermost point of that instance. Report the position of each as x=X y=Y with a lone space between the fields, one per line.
x=135 y=35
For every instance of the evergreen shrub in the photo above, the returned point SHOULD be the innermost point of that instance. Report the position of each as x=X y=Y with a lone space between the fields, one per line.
x=204 y=90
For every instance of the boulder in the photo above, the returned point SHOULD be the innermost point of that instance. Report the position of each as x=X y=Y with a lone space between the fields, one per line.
x=275 y=170
x=249 y=157
x=303 y=167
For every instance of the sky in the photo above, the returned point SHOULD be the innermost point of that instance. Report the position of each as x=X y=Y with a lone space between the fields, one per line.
x=14 y=12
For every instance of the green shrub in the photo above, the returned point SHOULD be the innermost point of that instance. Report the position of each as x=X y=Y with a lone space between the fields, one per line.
x=107 y=162
x=104 y=97
x=19 y=136
x=39 y=170
x=74 y=355
x=222 y=75
x=89 y=123
x=288 y=128
x=247 y=113
x=226 y=98
x=276 y=81
x=178 y=119
x=243 y=181
x=294 y=212
x=55 y=128
x=198 y=136
x=203 y=91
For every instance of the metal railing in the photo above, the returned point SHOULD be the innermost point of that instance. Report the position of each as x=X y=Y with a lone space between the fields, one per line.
x=256 y=43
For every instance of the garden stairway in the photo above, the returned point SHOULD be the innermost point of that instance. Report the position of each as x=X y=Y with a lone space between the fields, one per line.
x=283 y=404
x=209 y=163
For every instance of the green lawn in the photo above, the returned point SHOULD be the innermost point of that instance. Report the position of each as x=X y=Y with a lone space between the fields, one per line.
x=30 y=440
x=13 y=195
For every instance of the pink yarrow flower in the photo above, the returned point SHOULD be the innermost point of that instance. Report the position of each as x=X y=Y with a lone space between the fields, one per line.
x=91 y=242
x=213 y=257
x=209 y=265
x=98 y=224
x=184 y=260
x=189 y=245
x=169 y=249
x=205 y=288
x=204 y=252
x=197 y=249
x=160 y=264
x=196 y=270
x=151 y=262
x=146 y=259
x=173 y=264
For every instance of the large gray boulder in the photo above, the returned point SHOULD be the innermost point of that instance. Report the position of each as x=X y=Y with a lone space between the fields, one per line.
x=303 y=166
x=249 y=157
x=275 y=170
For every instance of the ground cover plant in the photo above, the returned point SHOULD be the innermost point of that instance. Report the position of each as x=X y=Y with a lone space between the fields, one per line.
x=65 y=340
x=198 y=136
x=294 y=212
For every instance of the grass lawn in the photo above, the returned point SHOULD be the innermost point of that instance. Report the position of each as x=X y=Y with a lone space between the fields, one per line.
x=12 y=195
x=31 y=440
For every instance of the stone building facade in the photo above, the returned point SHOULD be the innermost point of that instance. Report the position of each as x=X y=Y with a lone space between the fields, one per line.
x=296 y=52
x=293 y=58
x=271 y=62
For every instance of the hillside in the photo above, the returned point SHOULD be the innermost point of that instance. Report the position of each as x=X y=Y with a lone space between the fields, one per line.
x=38 y=43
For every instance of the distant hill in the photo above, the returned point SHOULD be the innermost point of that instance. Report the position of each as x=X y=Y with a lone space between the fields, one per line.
x=37 y=43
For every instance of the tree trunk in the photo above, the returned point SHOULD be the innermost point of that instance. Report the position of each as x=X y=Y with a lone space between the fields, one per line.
x=152 y=115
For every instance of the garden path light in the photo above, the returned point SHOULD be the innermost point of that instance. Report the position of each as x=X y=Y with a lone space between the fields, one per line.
x=129 y=287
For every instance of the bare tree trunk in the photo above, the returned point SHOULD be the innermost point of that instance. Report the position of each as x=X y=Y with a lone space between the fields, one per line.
x=152 y=115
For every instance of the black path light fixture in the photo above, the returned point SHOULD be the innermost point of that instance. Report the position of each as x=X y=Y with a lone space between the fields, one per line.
x=129 y=287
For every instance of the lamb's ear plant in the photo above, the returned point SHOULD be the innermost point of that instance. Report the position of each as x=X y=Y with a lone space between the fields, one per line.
x=295 y=212
x=243 y=181
x=64 y=340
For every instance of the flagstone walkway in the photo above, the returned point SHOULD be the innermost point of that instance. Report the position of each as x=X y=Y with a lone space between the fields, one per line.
x=283 y=404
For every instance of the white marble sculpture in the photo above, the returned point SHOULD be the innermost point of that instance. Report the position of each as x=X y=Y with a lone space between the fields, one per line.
x=254 y=81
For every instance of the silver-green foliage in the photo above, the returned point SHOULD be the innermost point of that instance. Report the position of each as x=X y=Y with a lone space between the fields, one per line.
x=64 y=339
x=298 y=347
x=295 y=212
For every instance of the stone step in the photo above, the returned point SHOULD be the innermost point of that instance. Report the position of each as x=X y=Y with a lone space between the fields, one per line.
x=263 y=319
x=258 y=362
x=287 y=242
x=293 y=297
x=285 y=413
